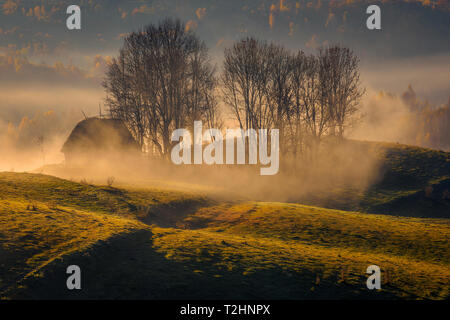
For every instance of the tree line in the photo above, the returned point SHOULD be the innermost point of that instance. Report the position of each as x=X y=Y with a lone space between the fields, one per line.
x=163 y=79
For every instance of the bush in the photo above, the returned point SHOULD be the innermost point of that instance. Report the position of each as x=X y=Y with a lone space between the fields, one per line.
x=110 y=181
x=84 y=181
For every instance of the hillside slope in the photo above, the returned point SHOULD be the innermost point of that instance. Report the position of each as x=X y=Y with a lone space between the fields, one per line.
x=159 y=244
x=412 y=182
x=416 y=182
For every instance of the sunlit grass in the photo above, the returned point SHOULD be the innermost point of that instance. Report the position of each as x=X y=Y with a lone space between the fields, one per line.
x=218 y=250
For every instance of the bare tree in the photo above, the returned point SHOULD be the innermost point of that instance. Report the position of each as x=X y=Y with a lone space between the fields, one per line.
x=245 y=81
x=295 y=115
x=280 y=63
x=161 y=81
x=305 y=97
x=341 y=86
x=315 y=112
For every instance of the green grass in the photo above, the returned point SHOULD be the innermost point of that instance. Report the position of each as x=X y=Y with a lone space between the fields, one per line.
x=161 y=244
x=408 y=172
x=27 y=187
x=421 y=239
x=412 y=182
x=31 y=240
x=43 y=218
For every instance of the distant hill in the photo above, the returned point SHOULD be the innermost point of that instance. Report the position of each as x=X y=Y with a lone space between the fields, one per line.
x=413 y=182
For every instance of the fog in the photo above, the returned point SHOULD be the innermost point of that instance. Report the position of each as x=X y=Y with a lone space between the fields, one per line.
x=33 y=143
x=35 y=122
x=349 y=165
x=36 y=118
x=403 y=118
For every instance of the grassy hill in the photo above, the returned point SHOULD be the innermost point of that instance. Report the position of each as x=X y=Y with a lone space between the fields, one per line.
x=412 y=182
x=416 y=182
x=162 y=244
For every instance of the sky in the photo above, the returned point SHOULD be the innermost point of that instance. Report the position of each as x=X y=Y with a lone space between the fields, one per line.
x=44 y=66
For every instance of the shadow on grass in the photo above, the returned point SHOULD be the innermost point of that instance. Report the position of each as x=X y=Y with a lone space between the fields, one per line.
x=127 y=266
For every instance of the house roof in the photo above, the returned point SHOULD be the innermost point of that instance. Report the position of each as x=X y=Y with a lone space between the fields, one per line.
x=99 y=134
